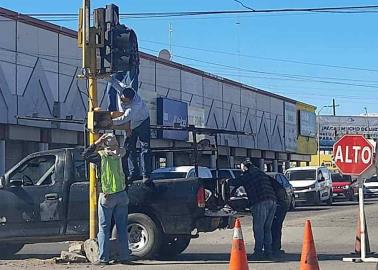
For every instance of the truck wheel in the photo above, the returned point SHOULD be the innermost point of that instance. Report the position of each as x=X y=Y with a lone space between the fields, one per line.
x=144 y=236
x=8 y=250
x=172 y=246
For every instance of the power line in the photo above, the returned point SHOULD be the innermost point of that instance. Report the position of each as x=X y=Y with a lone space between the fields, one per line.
x=265 y=58
x=243 y=5
x=290 y=76
x=354 y=9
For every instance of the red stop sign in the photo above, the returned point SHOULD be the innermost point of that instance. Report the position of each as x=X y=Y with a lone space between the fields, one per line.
x=353 y=154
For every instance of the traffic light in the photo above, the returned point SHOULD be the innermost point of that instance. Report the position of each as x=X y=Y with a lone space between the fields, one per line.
x=115 y=55
x=120 y=48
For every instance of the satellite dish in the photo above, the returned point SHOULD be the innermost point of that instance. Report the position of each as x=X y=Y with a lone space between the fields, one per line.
x=165 y=54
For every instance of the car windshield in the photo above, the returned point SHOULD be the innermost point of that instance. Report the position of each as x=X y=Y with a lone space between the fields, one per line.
x=167 y=175
x=372 y=179
x=297 y=175
x=336 y=177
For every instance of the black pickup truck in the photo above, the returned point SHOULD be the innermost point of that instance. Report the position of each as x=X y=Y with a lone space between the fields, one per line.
x=44 y=198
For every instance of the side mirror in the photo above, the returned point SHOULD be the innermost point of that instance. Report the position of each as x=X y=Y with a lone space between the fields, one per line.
x=16 y=182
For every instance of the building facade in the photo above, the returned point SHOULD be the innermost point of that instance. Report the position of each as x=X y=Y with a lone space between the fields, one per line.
x=39 y=64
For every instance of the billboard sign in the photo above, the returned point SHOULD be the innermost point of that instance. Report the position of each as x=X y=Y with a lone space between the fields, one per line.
x=171 y=113
x=307 y=123
x=333 y=128
x=290 y=127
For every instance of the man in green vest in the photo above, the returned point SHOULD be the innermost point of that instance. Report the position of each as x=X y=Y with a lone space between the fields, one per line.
x=113 y=199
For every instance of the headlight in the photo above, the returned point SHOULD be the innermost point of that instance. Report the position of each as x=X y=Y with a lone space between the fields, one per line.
x=311 y=187
x=346 y=187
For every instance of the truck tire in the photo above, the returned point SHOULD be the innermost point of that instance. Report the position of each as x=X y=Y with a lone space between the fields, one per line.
x=8 y=250
x=145 y=236
x=172 y=246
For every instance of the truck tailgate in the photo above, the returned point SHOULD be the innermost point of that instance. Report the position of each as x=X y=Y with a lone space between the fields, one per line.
x=172 y=201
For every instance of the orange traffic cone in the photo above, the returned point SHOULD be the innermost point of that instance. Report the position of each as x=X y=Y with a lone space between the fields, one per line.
x=309 y=259
x=357 y=243
x=238 y=260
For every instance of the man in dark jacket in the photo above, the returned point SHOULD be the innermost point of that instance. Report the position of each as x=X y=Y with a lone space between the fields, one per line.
x=283 y=205
x=262 y=199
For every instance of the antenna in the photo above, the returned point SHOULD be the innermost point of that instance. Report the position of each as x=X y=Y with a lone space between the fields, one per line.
x=170 y=32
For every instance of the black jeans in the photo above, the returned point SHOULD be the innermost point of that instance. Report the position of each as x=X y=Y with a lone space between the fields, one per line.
x=278 y=220
x=130 y=160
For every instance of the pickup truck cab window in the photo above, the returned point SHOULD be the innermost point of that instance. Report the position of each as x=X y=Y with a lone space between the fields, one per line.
x=36 y=171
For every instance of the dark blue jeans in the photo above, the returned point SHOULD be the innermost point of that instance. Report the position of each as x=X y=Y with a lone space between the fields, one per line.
x=130 y=160
x=278 y=220
x=263 y=214
x=115 y=204
x=130 y=78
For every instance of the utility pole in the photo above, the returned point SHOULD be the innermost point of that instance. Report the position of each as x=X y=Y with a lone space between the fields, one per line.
x=87 y=41
x=334 y=107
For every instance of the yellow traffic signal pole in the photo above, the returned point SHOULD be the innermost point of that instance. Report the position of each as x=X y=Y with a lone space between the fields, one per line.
x=88 y=44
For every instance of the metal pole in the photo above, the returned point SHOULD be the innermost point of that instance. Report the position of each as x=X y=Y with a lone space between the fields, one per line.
x=195 y=146
x=318 y=139
x=362 y=217
x=89 y=56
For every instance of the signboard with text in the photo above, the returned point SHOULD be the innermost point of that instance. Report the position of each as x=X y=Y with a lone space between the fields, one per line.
x=332 y=128
x=353 y=154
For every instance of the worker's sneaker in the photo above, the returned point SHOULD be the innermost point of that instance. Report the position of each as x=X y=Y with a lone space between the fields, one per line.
x=147 y=181
x=256 y=256
x=278 y=253
x=100 y=263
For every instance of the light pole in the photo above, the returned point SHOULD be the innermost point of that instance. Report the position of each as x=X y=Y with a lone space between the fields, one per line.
x=318 y=114
x=367 y=120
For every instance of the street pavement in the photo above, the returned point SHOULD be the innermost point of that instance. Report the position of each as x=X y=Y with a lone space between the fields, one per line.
x=333 y=230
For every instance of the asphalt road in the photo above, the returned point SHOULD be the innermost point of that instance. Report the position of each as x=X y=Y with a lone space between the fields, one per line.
x=333 y=230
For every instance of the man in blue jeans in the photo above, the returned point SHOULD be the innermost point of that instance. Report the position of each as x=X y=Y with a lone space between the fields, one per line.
x=262 y=199
x=113 y=199
x=135 y=119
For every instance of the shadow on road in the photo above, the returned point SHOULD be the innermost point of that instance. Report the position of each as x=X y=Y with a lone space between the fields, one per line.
x=222 y=258
x=309 y=208
x=19 y=257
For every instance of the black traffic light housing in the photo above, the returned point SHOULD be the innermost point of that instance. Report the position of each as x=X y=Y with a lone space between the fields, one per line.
x=115 y=55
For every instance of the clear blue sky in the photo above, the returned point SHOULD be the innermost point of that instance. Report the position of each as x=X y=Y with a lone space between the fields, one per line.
x=246 y=41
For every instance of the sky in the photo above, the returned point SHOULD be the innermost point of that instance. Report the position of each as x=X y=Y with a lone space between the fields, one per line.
x=310 y=57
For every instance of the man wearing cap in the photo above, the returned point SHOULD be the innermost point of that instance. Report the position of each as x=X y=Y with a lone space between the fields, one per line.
x=113 y=199
x=135 y=120
x=262 y=199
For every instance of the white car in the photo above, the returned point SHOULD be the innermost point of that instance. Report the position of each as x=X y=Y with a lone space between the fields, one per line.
x=311 y=185
x=371 y=187
x=180 y=172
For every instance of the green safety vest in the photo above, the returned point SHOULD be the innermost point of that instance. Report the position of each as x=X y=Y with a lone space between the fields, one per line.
x=112 y=176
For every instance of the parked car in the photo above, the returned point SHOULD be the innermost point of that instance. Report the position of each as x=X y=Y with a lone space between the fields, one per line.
x=44 y=198
x=342 y=186
x=284 y=182
x=371 y=187
x=226 y=173
x=217 y=191
x=312 y=185
x=180 y=172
